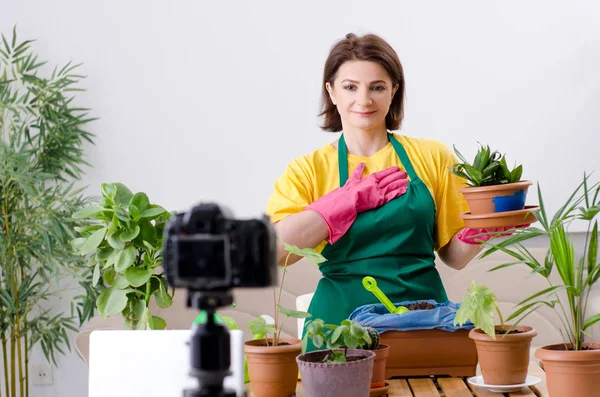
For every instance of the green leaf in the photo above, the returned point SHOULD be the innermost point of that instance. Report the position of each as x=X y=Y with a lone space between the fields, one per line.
x=104 y=253
x=163 y=299
x=88 y=212
x=123 y=195
x=120 y=282
x=153 y=212
x=134 y=212
x=478 y=306
x=337 y=333
x=591 y=321
x=109 y=191
x=318 y=341
x=140 y=200
x=230 y=323
x=258 y=326
x=309 y=253
x=77 y=243
x=114 y=241
x=129 y=235
x=515 y=175
x=125 y=259
x=109 y=276
x=357 y=331
x=293 y=313
x=96 y=275
x=93 y=242
x=111 y=301
x=138 y=276
x=160 y=323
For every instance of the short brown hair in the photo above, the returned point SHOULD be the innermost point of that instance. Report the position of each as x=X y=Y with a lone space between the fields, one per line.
x=372 y=48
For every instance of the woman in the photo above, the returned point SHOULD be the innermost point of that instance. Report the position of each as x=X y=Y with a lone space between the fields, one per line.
x=374 y=203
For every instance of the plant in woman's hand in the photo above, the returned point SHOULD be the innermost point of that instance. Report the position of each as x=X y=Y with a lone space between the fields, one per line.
x=122 y=238
x=258 y=326
x=487 y=169
x=479 y=306
x=348 y=334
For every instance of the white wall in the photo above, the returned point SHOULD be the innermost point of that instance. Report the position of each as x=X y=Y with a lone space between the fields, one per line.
x=210 y=100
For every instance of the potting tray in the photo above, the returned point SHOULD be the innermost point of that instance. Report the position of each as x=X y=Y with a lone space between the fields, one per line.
x=444 y=386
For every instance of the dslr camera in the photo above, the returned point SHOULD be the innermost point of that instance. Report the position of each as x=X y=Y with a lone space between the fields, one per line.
x=208 y=252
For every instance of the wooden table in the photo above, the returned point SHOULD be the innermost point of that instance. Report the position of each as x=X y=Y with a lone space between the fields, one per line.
x=452 y=387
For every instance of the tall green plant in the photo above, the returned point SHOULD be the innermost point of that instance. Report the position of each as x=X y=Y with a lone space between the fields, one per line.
x=578 y=276
x=41 y=152
x=122 y=240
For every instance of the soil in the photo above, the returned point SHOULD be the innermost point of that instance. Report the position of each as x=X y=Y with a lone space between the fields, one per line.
x=420 y=306
x=318 y=358
x=514 y=331
x=279 y=344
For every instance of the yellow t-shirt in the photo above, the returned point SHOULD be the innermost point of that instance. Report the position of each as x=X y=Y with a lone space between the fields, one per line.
x=310 y=177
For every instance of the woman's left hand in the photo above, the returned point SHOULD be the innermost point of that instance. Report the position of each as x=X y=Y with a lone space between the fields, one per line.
x=478 y=236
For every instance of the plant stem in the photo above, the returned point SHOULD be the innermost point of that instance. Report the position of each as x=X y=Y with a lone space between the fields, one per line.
x=26 y=362
x=276 y=317
x=13 y=384
x=5 y=358
x=281 y=289
x=501 y=318
x=20 y=360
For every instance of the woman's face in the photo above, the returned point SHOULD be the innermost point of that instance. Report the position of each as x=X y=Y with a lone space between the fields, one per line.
x=362 y=92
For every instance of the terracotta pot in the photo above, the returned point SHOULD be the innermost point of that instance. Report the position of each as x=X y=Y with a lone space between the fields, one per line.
x=381 y=354
x=351 y=379
x=505 y=360
x=272 y=369
x=430 y=352
x=497 y=198
x=571 y=373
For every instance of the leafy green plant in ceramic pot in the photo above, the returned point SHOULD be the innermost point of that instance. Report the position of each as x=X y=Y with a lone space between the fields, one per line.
x=505 y=360
x=345 y=366
x=492 y=188
x=569 y=296
x=122 y=239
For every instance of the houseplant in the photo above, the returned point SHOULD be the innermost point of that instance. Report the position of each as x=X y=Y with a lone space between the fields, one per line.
x=503 y=360
x=271 y=361
x=341 y=370
x=572 y=367
x=492 y=188
x=122 y=237
x=42 y=133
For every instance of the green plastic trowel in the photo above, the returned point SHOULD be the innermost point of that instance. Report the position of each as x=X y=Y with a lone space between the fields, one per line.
x=371 y=285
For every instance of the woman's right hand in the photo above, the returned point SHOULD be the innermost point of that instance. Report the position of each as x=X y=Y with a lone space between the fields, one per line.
x=340 y=207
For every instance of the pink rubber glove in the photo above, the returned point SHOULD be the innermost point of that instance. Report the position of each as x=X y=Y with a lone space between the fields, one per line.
x=477 y=236
x=340 y=207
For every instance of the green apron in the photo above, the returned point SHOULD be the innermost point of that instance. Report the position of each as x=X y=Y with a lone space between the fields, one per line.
x=393 y=243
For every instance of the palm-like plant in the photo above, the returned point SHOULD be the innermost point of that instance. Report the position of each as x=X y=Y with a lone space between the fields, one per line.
x=41 y=140
x=577 y=276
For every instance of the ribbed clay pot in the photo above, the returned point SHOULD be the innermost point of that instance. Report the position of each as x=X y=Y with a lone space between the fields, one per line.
x=571 y=373
x=496 y=198
x=505 y=360
x=350 y=379
x=273 y=370
x=381 y=354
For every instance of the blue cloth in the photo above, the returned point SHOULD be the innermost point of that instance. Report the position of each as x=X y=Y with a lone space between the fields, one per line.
x=378 y=317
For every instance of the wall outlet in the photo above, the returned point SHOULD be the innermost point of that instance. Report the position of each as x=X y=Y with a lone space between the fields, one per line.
x=41 y=374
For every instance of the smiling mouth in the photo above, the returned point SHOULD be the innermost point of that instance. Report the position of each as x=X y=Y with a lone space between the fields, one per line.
x=365 y=113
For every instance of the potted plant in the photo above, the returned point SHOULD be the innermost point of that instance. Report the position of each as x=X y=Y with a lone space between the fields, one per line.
x=272 y=366
x=382 y=352
x=42 y=150
x=344 y=369
x=492 y=188
x=572 y=367
x=503 y=360
x=122 y=237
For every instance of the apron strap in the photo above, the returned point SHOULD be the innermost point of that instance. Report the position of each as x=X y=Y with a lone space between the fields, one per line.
x=343 y=159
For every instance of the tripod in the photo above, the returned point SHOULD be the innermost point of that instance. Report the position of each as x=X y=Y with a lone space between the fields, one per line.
x=210 y=346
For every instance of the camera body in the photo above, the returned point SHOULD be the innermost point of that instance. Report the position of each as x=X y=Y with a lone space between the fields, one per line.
x=207 y=250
